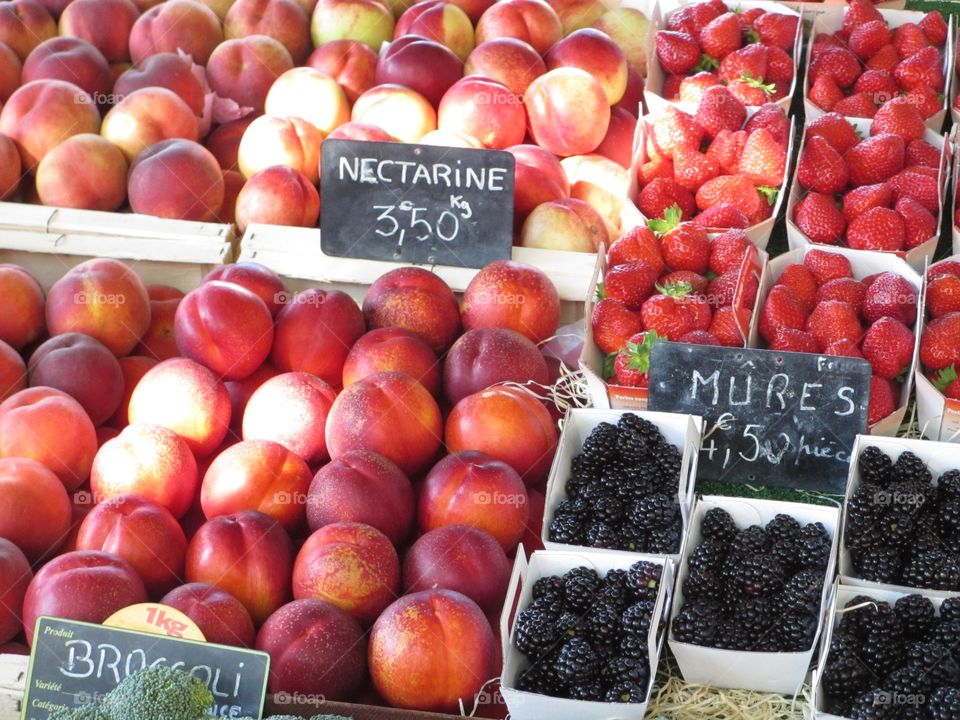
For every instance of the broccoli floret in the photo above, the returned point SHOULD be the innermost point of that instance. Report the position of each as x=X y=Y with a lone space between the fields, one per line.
x=87 y=712
x=159 y=693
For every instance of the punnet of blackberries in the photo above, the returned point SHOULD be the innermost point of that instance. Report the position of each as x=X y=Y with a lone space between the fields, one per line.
x=758 y=588
x=585 y=636
x=902 y=526
x=622 y=491
x=894 y=660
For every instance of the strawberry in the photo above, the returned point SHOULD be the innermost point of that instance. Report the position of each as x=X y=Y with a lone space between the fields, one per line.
x=821 y=168
x=944 y=267
x=888 y=347
x=777 y=30
x=721 y=36
x=890 y=295
x=697 y=282
x=926 y=100
x=720 y=110
x=934 y=27
x=826 y=266
x=780 y=67
x=877 y=229
x=858 y=13
x=782 y=308
x=658 y=167
x=875 y=159
x=750 y=16
x=698 y=311
x=677 y=52
x=938 y=343
x=684 y=247
x=772 y=118
x=883 y=400
x=735 y=189
x=752 y=90
x=693 y=18
x=764 y=160
x=724 y=215
x=730 y=326
x=943 y=295
x=637 y=244
x=822 y=41
x=728 y=250
x=824 y=93
x=613 y=324
x=749 y=61
x=833 y=128
x=631 y=367
x=692 y=168
x=924 y=67
x=860 y=105
x=726 y=148
x=881 y=84
x=798 y=278
x=846 y=290
x=673 y=129
x=947 y=382
x=899 y=117
x=834 y=320
x=631 y=284
x=693 y=87
x=920 y=224
x=791 y=340
x=817 y=217
x=868 y=38
x=663 y=193
x=699 y=337
x=860 y=199
x=884 y=60
x=663 y=312
x=843 y=348
x=837 y=63
x=917 y=186
x=909 y=39
x=722 y=289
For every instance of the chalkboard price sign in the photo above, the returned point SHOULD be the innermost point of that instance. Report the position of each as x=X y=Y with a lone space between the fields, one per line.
x=74 y=664
x=770 y=418
x=416 y=203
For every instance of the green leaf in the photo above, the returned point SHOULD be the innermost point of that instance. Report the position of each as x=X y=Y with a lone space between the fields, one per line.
x=601 y=292
x=608 y=362
x=752 y=36
x=706 y=64
x=757 y=82
x=671 y=218
x=769 y=193
x=946 y=376
x=678 y=290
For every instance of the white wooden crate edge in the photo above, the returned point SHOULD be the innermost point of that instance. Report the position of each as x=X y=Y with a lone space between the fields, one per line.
x=13 y=676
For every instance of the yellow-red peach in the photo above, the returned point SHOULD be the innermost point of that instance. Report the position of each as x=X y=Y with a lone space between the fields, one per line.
x=133 y=367
x=441 y=21
x=512 y=295
x=630 y=29
x=243 y=69
x=393 y=349
x=283 y=20
x=84 y=19
x=417 y=300
x=450 y=138
x=484 y=109
x=72 y=60
x=278 y=195
x=403 y=113
x=158 y=341
x=15 y=576
x=165 y=70
x=532 y=21
x=176 y=25
x=488 y=356
x=507 y=60
x=601 y=182
x=538 y=178
x=596 y=53
x=258 y=279
x=242 y=390
x=290 y=141
x=406 y=61
x=10 y=69
x=13 y=371
x=568 y=111
x=220 y=616
x=617 y=144
x=473 y=8
x=309 y=94
x=367 y=21
x=233 y=182
x=564 y=224
x=35 y=513
x=146 y=117
x=350 y=62
x=224 y=142
x=577 y=14
x=632 y=100
x=10 y=167
x=84 y=171
x=24 y=24
x=177 y=179
x=361 y=131
x=23 y=301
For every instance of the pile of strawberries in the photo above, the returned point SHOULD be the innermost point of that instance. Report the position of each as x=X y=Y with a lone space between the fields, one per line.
x=749 y=52
x=720 y=169
x=940 y=339
x=866 y=63
x=817 y=306
x=672 y=281
x=876 y=193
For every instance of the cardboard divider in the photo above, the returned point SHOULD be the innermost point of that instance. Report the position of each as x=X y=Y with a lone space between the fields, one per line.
x=950 y=201
x=682 y=431
x=759 y=671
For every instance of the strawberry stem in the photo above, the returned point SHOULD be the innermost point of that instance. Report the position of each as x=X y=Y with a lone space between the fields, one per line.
x=757 y=82
x=945 y=377
x=752 y=36
x=769 y=193
x=670 y=220
x=677 y=290
x=706 y=63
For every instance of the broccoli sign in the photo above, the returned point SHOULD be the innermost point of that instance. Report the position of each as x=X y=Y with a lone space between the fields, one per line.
x=73 y=664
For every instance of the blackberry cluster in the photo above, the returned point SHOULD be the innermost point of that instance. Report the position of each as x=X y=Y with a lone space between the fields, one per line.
x=622 y=492
x=585 y=636
x=894 y=661
x=756 y=588
x=902 y=528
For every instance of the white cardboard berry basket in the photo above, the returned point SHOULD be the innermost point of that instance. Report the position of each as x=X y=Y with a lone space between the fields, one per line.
x=653 y=87
x=842 y=594
x=937 y=416
x=938 y=456
x=682 y=431
x=950 y=199
x=863 y=264
x=918 y=256
x=830 y=20
x=759 y=671
x=543 y=563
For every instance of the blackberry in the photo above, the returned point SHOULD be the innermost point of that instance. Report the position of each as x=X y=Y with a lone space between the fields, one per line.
x=631 y=422
x=577 y=662
x=633 y=538
x=718 y=525
x=602 y=624
x=568 y=625
x=949 y=484
x=845 y=675
x=591 y=691
x=607 y=509
x=635 y=620
x=882 y=652
x=794 y=631
x=704 y=565
x=785 y=553
x=749 y=541
x=752 y=618
x=601 y=535
x=627 y=693
x=669 y=461
x=950 y=609
x=803 y=591
x=874 y=705
x=875 y=466
x=666 y=540
x=813 y=549
x=550 y=586
x=916 y=615
x=535 y=632
x=542 y=678
x=593 y=491
x=925 y=541
x=783 y=528
x=944 y=704
x=579 y=586
x=934 y=569
x=551 y=604
x=761 y=576
x=880 y=564
x=632 y=446
x=863 y=513
x=630 y=488
x=644 y=575
x=897 y=528
x=696 y=623
x=654 y=511
x=633 y=646
x=573 y=506
x=949 y=516
x=909 y=680
x=625 y=670
x=602 y=442
x=947 y=633
x=858 y=616
x=935 y=660
x=731 y=636
x=567 y=529
x=618 y=581
x=910 y=468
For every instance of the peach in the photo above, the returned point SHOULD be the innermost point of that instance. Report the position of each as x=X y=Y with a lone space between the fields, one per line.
x=617 y=144
x=532 y=21
x=72 y=60
x=84 y=19
x=24 y=24
x=594 y=52
x=242 y=390
x=532 y=539
x=176 y=25
x=13 y=372
x=278 y=195
x=177 y=179
x=249 y=555
x=165 y=70
x=430 y=650
x=233 y=183
x=84 y=369
x=568 y=111
x=491 y=420
x=450 y=138
x=133 y=368
x=314 y=648
x=85 y=585
x=403 y=113
x=146 y=460
x=309 y=94
x=388 y=413
x=10 y=69
x=52 y=428
x=600 y=182
x=367 y=21
x=224 y=142
x=473 y=8
x=22 y=298
x=488 y=356
x=483 y=109
x=146 y=117
x=291 y=409
x=472 y=488
x=84 y=171
x=538 y=178
x=392 y=349
x=243 y=69
x=314 y=333
x=441 y=21
x=629 y=28
x=10 y=168
x=513 y=295
x=361 y=131
x=186 y=398
x=362 y=487
x=632 y=100
x=350 y=62
x=417 y=300
x=219 y=7
x=507 y=60
x=141 y=532
x=564 y=224
x=158 y=341
x=577 y=14
x=102 y=298
x=419 y=64
x=290 y=141
x=258 y=279
x=36 y=512
x=351 y=566
x=460 y=558
x=42 y=114
x=222 y=618
x=283 y=20
x=15 y=576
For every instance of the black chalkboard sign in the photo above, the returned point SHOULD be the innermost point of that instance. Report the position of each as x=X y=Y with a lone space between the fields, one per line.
x=770 y=418
x=74 y=664
x=416 y=203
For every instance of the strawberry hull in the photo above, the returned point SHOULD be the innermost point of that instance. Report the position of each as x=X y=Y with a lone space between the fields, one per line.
x=937 y=415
